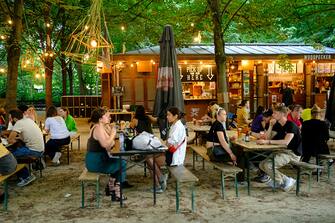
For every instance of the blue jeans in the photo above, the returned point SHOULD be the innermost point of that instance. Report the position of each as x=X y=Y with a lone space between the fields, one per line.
x=25 y=152
x=54 y=145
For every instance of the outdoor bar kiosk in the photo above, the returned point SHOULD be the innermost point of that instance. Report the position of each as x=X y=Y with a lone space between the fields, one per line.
x=255 y=72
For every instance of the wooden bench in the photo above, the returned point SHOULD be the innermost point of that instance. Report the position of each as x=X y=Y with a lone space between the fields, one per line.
x=226 y=169
x=29 y=160
x=325 y=157
x=75 y=137
x=89 y=177
x=183 y=175
x=304 y=168
x=4 y=180
x=67 y=149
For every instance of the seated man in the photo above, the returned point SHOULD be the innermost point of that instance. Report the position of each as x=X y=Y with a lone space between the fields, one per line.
x=31 y=136
x=281 y=132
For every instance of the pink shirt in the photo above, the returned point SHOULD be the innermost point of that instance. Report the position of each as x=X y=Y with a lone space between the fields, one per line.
x=296 y=121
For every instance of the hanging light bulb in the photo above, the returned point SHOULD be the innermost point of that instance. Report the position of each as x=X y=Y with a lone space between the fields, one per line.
x=86 y=27
x=192 y=24
x=46 y=54
x=27 y=61
x=2 y=70
x=122 y=28
x=37 y=75
x=51 y=54
x=94 y=43
x=48 y=25
x=10 y=22
x=3 y=37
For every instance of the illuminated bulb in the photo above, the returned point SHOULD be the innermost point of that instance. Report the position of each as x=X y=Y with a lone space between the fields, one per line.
x=51 y=54
x=3 y=37
x=259 y=61
x=86 y=56
x=48 y=24
x=200 y=62
x=131 y=65
x=313 y=61
x=2 y=70
x=24 y=66
x=192 y=24
x=196 y=39
x=10 y=22
x=86 y=27
x=120 y=63
x=37 y=75
x=185 y=62
x=154 y=62
x=46 y=54
x=122 y=28
x=27 y=61
x=232 y=67
x=137 y=63
x=94 y=43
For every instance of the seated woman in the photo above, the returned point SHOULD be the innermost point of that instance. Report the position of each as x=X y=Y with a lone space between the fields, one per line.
x=261 y=123
x=243 y=114
x=315 y=135
x=142 y=122
x=59 y=135
x=69 y=120
x=176 y=138
x=7 y=165
x=217 y=137
x=99 y=144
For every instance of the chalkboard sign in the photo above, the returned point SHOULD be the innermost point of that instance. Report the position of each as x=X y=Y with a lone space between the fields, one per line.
x=197 y=72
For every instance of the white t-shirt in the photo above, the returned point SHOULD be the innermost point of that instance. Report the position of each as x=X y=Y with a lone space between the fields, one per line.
x=30 y=133
x=177 y=134
x=57 y=127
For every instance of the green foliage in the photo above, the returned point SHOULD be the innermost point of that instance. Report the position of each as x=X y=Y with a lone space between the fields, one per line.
x=285 y=63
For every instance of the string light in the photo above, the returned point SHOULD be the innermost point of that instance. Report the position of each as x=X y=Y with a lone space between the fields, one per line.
x=122 y=28
x=192 y=24
x=46 y=54
x=2 y=70
x=51 y=54
x=185 y=62
x=3 y=37
x=200 y=62
x=37 y=75
x=94 y=43
x=10 y=22
x=86 y=27
x=131 y=65
x=48 y=25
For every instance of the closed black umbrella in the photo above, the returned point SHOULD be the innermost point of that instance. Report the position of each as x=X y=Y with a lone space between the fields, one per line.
x=169 y=90
x=330 y=112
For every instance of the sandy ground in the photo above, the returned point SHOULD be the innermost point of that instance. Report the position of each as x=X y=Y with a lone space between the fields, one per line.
x=46 y=199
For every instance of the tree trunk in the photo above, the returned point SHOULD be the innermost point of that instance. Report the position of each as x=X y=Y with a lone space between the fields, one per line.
x=220 y=56
x=82 y=87
x=48 y=59
x=70 y=73
x=13 y=55
x=64 y=74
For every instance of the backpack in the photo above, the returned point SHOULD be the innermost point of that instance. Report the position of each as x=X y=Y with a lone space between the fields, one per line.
x=147 y=141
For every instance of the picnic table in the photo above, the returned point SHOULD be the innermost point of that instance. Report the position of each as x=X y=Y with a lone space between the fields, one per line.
x=258 y=151
x=204 y=129
x=154 y=152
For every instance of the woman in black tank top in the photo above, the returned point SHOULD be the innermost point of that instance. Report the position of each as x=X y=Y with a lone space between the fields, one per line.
x=99 y=144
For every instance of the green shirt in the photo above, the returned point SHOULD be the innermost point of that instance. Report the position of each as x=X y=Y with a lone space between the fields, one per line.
x=71 y=124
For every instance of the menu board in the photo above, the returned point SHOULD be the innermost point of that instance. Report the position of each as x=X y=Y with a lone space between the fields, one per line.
x=197 y=72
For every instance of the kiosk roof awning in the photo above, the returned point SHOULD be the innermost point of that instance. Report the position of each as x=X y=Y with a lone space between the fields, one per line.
x=233 y=49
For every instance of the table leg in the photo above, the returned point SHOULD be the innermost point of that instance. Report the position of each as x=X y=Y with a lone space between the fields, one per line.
x=154 y=178
x=193 y=160
x=274 y=173
x=248 y=171
x=120 y=175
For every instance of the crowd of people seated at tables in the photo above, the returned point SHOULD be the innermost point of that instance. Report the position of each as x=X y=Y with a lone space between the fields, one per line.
x=280 y=125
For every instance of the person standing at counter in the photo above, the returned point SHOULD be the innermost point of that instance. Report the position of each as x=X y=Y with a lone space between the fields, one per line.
x=287 y=94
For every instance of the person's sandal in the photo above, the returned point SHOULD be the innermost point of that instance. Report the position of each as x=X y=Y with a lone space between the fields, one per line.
x=115 y=194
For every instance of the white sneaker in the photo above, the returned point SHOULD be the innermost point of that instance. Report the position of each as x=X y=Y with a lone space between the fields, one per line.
x=26 y=181
x=56 y=158
x=288 y=184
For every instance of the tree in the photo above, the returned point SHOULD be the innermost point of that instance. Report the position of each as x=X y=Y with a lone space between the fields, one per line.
x=15 y=14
